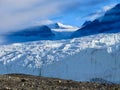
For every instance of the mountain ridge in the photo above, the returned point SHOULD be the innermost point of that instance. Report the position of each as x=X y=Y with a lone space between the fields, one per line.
x=59 y=25
x=108 y=23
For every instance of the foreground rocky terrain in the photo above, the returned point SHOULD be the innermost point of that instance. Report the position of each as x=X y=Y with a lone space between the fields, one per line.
x=28 y=82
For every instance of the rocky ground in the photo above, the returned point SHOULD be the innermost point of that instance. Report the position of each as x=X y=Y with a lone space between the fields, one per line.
x=28 y=82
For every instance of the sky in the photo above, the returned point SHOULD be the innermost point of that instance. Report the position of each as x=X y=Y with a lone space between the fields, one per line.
x=18 y=14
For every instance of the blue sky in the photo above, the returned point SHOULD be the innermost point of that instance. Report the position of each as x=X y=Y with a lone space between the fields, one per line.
x=88 y=10
x=17 y=14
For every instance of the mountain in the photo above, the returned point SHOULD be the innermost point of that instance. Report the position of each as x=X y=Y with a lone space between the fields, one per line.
x=95 y=57
x=86 y=23
x=30 y=34
x=109 y=23
x=41 y=31
x=59 y=25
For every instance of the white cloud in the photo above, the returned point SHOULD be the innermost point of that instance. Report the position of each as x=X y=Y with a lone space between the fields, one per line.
x=101 y=12
x=106 y=8
x=15 y=14
x=43 y=22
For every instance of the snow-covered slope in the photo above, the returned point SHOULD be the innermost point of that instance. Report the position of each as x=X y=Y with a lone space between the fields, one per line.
x=59 y=25
x=63 y=33
x=82 y=59
x=109 y=23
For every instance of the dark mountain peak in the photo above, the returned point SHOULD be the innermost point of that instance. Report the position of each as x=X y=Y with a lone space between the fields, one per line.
x=114 y=11
x=42 y=31
x=118 y=5
x=30 y=34
x=86 y=23
x=109 y=23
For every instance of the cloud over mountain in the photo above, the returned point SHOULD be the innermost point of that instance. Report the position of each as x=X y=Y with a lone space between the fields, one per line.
x=18 y=14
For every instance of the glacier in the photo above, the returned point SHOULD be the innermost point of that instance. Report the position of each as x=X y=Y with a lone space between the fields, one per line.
x=93 y=55
x=80 y=59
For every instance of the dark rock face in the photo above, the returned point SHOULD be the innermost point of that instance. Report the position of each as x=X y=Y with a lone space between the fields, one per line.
x=86 y=23
x=41 y=31
x=109 y=23
x=30 y=34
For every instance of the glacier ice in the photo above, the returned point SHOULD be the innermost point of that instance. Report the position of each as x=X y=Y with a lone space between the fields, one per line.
x=80 y=59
